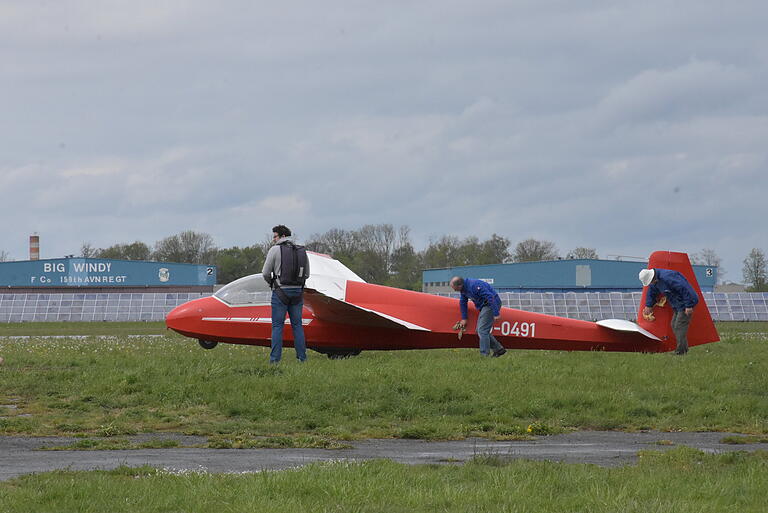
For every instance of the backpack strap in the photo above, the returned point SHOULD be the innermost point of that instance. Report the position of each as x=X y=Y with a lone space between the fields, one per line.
x=287 y=301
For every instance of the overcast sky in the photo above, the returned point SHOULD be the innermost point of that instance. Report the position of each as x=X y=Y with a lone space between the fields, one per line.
x=620 y=125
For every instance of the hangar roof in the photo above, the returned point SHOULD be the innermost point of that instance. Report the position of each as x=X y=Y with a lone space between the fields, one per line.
x=560 y=275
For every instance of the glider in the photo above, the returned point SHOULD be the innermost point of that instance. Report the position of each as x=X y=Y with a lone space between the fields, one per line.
x=343 y=315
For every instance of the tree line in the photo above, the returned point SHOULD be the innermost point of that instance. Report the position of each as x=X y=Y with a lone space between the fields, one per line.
x=188 y=247
x=378 y=253
x=384 y=254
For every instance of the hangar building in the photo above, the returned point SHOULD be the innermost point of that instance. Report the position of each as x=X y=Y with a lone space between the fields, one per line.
x=105 y=275
x=590 y=289
x=95 y=289
x=572 y=275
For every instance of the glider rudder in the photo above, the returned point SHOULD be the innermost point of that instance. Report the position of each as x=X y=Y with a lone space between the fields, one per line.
x=701 y=330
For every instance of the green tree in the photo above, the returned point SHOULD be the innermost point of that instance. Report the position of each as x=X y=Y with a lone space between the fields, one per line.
x=755 y=271
x=533 y=250
x=441 y=252
x=468 y=252
x=406 y=268
x=450 y=251
x=495 y=250
x=134 y=251
x=235 y=262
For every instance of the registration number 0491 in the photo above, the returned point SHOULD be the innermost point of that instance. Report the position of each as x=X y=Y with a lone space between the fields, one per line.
x=518 y=329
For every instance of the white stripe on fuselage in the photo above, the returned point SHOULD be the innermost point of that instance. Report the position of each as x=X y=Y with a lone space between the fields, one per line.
x=260 y=320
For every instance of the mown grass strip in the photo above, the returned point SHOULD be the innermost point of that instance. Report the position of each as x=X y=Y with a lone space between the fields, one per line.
x=680 y=480
x=112 y=444
x=214 y=442
x=741 y=440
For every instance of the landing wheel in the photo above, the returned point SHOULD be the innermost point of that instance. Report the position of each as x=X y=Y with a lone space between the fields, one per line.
x=207 y=344
x=340 y=355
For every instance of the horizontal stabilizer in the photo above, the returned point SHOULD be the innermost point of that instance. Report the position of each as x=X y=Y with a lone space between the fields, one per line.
x=331 y=309
x=624 y=325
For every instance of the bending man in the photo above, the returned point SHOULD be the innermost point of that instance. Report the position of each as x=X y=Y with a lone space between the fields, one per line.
x=488 y=302
x=681 y=296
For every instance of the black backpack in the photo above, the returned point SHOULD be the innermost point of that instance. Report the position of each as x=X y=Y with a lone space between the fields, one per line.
x=293 y=264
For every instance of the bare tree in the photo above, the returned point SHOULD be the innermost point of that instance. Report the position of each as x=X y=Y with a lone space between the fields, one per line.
x=709 y=257
x=186 y=247
x=755 y=270
x=368 y=251
x=533 y=250
x=582 y=253
x=267 y=242
x=4 y=256
x=335 y=242
x=88 y=251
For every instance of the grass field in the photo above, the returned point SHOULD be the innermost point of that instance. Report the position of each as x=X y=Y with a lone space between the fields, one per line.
x=682 y=480
x=119 y=385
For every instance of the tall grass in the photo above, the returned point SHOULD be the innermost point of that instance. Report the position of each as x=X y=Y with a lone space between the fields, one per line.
x=124 y=385
x=681 y=480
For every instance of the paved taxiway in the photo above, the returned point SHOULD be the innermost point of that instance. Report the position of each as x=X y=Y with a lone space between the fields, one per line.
x=22 y=455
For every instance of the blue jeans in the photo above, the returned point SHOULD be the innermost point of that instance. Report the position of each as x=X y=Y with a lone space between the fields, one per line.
x=279 y=309
x=484 y=327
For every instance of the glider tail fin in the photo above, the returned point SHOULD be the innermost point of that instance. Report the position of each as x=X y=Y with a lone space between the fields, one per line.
x=701 y=330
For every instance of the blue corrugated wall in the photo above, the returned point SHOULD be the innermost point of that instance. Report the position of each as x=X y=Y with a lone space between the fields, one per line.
x=562 y=275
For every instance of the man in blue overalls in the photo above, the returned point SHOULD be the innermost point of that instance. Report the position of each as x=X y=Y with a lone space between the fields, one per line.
x=681 y=296
x=488 y=302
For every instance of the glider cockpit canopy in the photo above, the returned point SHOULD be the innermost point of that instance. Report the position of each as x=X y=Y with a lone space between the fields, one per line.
x=326 y=275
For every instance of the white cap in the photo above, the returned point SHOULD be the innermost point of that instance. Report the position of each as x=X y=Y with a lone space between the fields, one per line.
x=646 y=276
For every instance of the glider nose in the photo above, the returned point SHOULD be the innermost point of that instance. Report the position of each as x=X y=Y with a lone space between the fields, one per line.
x=184 y=317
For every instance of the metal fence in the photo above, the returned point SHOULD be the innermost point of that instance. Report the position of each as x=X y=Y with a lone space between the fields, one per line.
x=733 y=306
x=91 y=307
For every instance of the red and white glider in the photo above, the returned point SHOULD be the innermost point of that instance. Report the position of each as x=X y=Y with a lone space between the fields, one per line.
x=343 y=315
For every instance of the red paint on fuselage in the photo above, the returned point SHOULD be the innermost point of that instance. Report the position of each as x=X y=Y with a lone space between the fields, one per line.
x=213 y=320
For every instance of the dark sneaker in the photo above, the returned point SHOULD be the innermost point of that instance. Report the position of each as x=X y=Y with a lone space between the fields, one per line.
x=498 y=353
